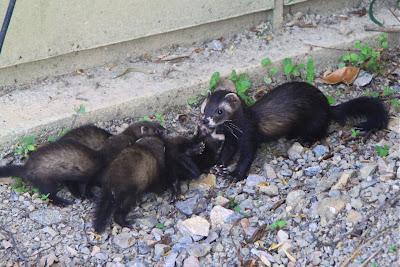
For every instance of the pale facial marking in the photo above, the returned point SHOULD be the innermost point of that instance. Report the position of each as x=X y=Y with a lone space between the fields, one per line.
x=203 y=106
x=211 y=122
x=220 y=137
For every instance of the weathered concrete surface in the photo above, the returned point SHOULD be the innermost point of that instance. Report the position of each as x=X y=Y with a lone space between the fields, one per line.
x=48 y=38
x=50 y=104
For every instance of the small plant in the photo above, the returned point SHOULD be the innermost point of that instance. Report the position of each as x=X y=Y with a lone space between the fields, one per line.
x=232 y=203
x=374 y=264
x=26 y=145
x=355 y=133
x=310 y=70
x=290 y=69
x=19 y=186
x=80 y=110
x=242 y=84
x=53 y=138
x=44 y=197
x=331 y=100
x=395 y=103
x=215 y=77
x=145 y=118
x=388 y=91
x=383 y=41
x=160 y=118
x=160 y=226
x=278 y=224
x=271 y=71
x=382 y=151
x=392 y=248
x=366 y=57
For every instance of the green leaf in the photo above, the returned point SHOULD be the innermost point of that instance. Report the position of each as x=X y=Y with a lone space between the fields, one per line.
x=28 y=140
x=243 y=84
x=341 y=65
x=51 y=138
x=331 y=100
x=346 y=57
x=273 y=71
x=353 y=57
x=395 y=102
x=357 y=44
x=233 y=76
x=392 y=248
x=81 y=109
x=31 y=148
x=215 y=77
x=287 y=66
x=371 y=14
x=237 y=209
x=387 y=91
x=355 y=132
x=385 y=45
x=146 y=118
x=310 y=70
x=382 y=151
x=160 y=226
x=266 y=62
x=278 y=224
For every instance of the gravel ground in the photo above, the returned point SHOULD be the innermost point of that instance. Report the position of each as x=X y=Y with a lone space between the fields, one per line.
x=337 y=200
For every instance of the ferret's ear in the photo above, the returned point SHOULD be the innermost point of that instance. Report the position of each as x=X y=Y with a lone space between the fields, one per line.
x=144 y=129
x=203 y=105
x=233 y=99
x=227 y=85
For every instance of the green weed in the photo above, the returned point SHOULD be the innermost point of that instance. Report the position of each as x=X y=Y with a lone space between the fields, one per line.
x=242 y=84
x=392 y=248
x=19 y=186
x=278 y=224
x=382 y=151
x=291 y=69
x=331 y=100
x=310 y=70
x=355 y=133
x=160 y=226
x=271 y=71
x=215 y=77
x=26 y=146
x=80 y=110
x=388 y=91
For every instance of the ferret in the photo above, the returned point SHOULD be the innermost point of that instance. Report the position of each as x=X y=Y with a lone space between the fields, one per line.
x=89 y=135
x=67 y=161
x=151 y=164
x=294 y=110
x=135 y=170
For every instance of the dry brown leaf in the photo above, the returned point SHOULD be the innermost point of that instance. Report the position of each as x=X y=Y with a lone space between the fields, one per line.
x=133 y=69
x=258 y=234
x=290 y=256
x=245 y=223
x=275 y=246
x=7 y=181
x=264 y=260
x=250 y=263
x=346 y=75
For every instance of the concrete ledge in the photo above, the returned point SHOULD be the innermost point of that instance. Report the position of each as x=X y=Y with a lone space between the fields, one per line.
x=49 y=105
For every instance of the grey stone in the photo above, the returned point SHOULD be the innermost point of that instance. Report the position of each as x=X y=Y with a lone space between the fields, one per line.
x=295 y=151
x=368 y=169
x=296 y=198
x=313 y=170
x=286 y=173
x=363 y=79
x=143 y=248
x=191 y=261
x=218 y=215
x=170 y=260
x=199 y=250
x=149 y=222
x=160 y=250
x=192 y=205
x=320 y=150
x=269 y=171
x=194 y=226
x=124 y=240
x=254 y=179
x=101 y=256
x=46 y=216
x=270 y=190
x=328 y=208
x=216 y=45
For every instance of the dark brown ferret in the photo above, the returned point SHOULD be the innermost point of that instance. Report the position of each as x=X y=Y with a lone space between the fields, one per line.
x=89 y=135
x=67 y=161
x=136 y=169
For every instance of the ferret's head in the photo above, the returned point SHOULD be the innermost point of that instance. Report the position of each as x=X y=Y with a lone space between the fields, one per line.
x=219 y=107
x=145 y=129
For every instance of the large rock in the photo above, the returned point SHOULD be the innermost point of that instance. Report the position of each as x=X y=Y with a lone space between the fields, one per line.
x=295 y=151
x=219 y=215
x=192 y=205
x=191 y=261
x=194 y=226
x=46 y=216
x=320 y=150
x=296 y=199
x=328 y=208
x=199 y=250
x=367 y=170
x=270 y=190
x=124 y=240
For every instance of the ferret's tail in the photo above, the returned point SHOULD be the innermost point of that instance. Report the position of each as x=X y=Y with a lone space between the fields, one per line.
x=12 y=170
x=371 y=110
x=104 y=210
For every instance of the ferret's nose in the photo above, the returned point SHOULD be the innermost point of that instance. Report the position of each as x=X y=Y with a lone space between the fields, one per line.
x=205 y=121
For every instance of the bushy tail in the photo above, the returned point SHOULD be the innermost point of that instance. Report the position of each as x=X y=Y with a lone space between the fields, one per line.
x=104 y=210
x=12 y=170
x=371 y=110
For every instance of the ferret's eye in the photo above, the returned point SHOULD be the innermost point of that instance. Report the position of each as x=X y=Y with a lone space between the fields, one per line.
x=220 y=111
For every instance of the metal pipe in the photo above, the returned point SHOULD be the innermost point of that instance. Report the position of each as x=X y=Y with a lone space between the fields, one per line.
x=6 y=22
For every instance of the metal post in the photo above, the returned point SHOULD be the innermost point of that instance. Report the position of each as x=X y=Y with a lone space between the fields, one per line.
x=6 y=22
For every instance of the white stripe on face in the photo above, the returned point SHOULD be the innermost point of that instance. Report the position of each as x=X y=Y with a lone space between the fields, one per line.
x=220 y=137
x=211 y=122
x=203 y=106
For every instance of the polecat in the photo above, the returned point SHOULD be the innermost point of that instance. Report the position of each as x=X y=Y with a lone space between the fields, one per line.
x=69 y=162
x=291 y=110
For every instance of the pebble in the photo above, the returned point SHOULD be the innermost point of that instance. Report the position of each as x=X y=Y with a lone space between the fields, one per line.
x=343 y=180
x=170 y=260
x=353 y=217
x=219 y=215
x=148 y=222
x=295 y=151
x=320 y=150
x=270 y=190
x=199 y=250
x=124 y=240
x=269 y=171
x=221 y=201
x=253 y=179
x=194 y=226
x=192 y=205
x=296 y=198
x=313 y=170
x=216 y=45
x=205 y=182
x=160 y=250
x=191 y=261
